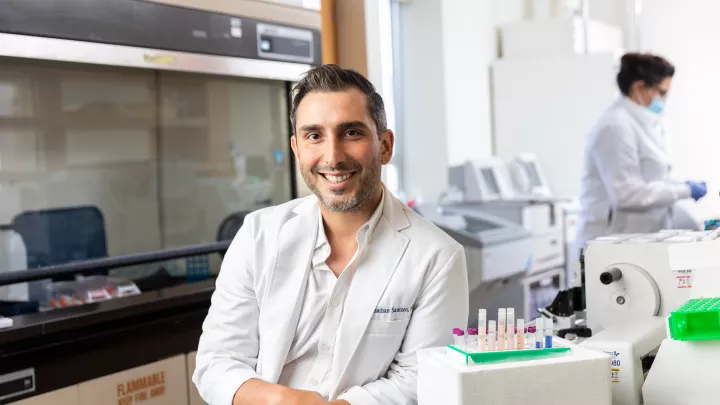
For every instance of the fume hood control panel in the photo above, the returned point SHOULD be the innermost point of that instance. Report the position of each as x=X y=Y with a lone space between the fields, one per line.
x=159 y=26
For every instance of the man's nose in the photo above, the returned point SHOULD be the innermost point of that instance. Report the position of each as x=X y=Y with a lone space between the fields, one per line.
x=334 y=153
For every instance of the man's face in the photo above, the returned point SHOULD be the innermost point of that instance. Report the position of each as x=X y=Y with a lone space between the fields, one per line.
x=338 y=149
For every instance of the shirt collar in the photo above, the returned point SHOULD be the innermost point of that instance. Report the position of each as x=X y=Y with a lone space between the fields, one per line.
x=641 y=113
x=363 y=234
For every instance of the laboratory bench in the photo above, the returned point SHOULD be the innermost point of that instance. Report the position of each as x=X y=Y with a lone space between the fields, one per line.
x=129 y=350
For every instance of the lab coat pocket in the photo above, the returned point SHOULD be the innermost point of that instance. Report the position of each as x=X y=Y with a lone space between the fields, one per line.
x=379 y=345
x=385 y=328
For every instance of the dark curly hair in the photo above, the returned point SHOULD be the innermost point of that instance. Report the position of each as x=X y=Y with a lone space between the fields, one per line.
x=328 y=78
x=651 y=69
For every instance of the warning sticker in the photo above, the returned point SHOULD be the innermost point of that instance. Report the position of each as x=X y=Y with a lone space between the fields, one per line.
x=683 y=278
x=614 y=366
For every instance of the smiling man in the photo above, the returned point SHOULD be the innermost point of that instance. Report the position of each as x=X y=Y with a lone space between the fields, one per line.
x=327 y=299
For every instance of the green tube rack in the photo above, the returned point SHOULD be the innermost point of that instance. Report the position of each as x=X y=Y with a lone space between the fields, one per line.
x=508 y=355
x=697 y=319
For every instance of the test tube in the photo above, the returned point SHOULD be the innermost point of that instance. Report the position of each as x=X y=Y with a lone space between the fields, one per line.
x=548 y=333
x=459 y=338
x=539 y=333
x=511 y=328
x=491 y=336
x=531 y=337
x=482 y=326
x=521 y=334
x=502 y=315
x=472 y=339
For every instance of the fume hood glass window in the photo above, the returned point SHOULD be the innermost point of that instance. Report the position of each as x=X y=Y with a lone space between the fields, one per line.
x=224 y=144
x=78 y=170
x=105 y=161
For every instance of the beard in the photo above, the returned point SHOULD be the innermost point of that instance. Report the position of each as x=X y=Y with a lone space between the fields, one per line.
x=343 y=200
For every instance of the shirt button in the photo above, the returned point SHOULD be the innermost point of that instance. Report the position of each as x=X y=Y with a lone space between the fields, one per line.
x=313 y=382
x=335 y=302
x=325 y=348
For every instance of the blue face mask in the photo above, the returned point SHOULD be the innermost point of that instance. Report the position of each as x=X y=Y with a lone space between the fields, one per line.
x=657 y=105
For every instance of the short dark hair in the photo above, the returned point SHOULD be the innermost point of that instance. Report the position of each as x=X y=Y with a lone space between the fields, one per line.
x=330 y=78
x=651 y=69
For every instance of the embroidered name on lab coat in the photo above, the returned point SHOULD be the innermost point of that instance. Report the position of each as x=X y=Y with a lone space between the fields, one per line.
x=390 y=310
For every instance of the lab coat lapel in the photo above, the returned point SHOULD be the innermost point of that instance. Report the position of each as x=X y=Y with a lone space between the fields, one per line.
x=377 y=265
x=296 y=241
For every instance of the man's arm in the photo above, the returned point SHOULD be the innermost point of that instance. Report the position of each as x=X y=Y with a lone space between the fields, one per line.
x=228 y=350
x=229 y=345
x=258 y=392
x=442 y=306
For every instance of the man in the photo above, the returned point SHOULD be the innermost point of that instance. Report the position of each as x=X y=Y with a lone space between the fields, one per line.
x=326 y=299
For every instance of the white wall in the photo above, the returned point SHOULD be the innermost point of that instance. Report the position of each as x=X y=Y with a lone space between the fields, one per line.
x=446 y=48
x=469 y=47
x=686 y=33
x=421 y=113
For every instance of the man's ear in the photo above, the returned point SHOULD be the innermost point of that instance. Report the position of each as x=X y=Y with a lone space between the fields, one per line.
x=387 y=143
x=293 y=145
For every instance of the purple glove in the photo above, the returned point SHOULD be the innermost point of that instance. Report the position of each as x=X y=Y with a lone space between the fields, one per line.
x=697 y=189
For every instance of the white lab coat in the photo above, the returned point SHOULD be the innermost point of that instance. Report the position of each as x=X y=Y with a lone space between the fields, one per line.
x=255 y=308
x=626 y=184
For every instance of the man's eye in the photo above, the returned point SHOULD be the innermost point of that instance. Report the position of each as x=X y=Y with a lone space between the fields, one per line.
x=313 y=136
x=353 y=132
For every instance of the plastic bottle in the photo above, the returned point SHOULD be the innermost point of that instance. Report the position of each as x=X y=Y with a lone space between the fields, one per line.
x=472 y=339
x=13 y=257
x=530 y=343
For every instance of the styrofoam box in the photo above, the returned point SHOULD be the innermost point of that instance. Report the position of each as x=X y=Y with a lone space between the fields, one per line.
x=160 y=383
x=580 y=376
x=64 y=396
x=195 y=398
x=555 y=36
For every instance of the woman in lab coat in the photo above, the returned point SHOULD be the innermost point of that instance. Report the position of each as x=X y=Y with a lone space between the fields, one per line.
x=626 y=185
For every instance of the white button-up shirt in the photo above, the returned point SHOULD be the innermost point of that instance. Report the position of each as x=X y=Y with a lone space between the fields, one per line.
x=310 y=358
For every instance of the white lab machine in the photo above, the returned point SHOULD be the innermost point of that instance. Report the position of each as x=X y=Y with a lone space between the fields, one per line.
x=642 y=275
x=631 y=344
x=528 y=177
x=577 y=376
x=685 y=372
x=482 y=180
x=497 y=252
x=488 y=186
x=632 y=284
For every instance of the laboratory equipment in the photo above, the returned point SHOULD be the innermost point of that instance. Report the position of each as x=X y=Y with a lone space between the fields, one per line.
x=482 y=180
x=511 y=343
x=539 y=333
x=517 y=380
x=520 y=334
x=459 y=337
x=528 y=177
x=548 y=331
x=633 y=283
x=542 y=219
x=492 y=338
x=482 y=328
x=197 y=95
x=531 y=340
x=502 y=316
x=632 y=344
x=519 y=192
x=497 y=251
x=472 y=339
x=642 y=275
